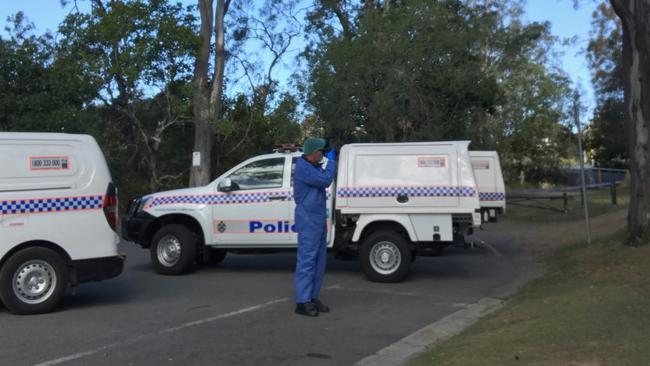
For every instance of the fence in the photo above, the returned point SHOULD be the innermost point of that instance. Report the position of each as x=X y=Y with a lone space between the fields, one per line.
x=543 y=198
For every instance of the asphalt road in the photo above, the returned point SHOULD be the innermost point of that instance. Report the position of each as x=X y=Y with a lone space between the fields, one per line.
x=241 y=313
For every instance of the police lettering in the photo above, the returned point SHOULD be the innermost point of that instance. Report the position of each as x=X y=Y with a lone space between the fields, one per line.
x=277 y=227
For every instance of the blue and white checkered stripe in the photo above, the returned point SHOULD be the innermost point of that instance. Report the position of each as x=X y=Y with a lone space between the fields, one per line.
x=424 y=191
x=42 y=205
x=492 y=196
x=215 y=199
x=222 y=199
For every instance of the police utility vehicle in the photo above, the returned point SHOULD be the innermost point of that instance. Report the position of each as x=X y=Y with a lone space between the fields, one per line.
x=390 y=202
x=492 y=190
x=58 y=215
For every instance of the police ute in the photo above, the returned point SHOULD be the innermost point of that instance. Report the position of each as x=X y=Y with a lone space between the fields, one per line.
x=58 y=216
x=389 y=203
x=492 y=189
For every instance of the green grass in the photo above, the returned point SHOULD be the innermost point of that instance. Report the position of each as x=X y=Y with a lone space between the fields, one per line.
x=591 y=308
x=599 y=203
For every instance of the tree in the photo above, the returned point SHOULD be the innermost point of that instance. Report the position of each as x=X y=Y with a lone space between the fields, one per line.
x=137 y=55
x=606 y=137
x=634 y=15
x=208 y=95
x=272 y=28
x=244 y=131
x=37 y=92
x=422 y=70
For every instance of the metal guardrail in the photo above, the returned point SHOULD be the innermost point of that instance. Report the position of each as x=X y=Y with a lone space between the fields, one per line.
x=541 y=198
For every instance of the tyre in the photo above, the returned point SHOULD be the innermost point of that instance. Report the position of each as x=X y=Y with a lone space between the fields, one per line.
x=33 y=281
x=211 y=257
x=173 y=249
x=385 y=257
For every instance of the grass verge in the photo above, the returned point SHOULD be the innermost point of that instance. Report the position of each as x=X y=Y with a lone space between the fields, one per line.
x=592 y=307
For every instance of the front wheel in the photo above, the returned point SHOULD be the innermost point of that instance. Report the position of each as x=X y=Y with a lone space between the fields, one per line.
x=173 y=249
x=33 y=281
x=385 y=257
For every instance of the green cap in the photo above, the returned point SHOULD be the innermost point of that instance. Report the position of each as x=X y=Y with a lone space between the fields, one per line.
x=312 y=145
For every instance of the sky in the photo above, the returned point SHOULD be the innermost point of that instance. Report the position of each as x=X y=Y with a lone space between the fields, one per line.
x=566 y=22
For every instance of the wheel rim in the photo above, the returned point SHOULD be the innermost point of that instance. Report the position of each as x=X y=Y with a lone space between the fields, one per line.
x=385 y=257
x=169 y=250
x=34 y=281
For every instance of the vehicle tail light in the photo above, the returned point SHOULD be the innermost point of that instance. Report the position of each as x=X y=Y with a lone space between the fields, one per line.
x=111 y=203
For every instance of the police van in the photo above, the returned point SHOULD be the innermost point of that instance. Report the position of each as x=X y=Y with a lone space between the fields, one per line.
x=58 y=216
x=492 y=189
x=389 y=203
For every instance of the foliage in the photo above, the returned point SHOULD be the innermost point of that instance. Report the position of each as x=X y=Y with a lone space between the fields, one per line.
x=122 y=73
x=373 y=72
x=438 y=71
x=607 y=137
x=137 y=55
x=36 y=92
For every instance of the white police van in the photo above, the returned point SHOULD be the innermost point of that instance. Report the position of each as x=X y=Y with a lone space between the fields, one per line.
x=58 y=216
x=392 y=202
x=489 y=178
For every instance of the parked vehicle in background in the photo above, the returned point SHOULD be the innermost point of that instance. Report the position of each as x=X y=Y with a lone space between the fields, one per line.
x=393 y=202
x=58 y=216
x=492 y=189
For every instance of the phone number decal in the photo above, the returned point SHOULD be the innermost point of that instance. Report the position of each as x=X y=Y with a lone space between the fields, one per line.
x=432 y=162
x=49 y=163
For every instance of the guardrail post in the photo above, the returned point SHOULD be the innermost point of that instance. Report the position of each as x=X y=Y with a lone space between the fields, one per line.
x=612 y=190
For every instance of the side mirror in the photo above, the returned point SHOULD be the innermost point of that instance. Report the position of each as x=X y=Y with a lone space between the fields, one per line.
x=226 y=185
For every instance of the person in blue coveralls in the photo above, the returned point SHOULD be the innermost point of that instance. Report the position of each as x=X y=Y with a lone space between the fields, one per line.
x=312 y=176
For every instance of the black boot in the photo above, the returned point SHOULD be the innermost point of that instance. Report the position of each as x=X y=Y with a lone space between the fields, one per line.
x=322 y=308
x=307 y=309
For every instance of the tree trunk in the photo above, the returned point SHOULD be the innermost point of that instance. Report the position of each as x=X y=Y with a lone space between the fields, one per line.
x=207 y=100
x=153 y=176
x=336 y=7
x=203 y=131
x=219 y=59
x=634 y=15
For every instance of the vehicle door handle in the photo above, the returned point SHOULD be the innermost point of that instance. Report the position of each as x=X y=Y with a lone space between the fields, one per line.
x=277 y=198
x=402 y=198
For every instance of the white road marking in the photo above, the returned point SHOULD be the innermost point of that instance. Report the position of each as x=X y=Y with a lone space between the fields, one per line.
x=356 y=289
x=161 y=332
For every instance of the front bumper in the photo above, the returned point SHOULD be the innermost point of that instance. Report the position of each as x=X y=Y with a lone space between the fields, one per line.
x=97 y=269
x=134 y=228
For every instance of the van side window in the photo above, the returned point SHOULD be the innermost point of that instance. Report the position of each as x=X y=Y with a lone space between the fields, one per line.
x=261 y=174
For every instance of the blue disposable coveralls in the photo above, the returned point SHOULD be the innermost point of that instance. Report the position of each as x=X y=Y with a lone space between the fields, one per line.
x=309 y=184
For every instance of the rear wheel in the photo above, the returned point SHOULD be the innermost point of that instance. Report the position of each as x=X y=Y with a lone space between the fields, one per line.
x=385 y=257
x=33 y=281
x=173 y=249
